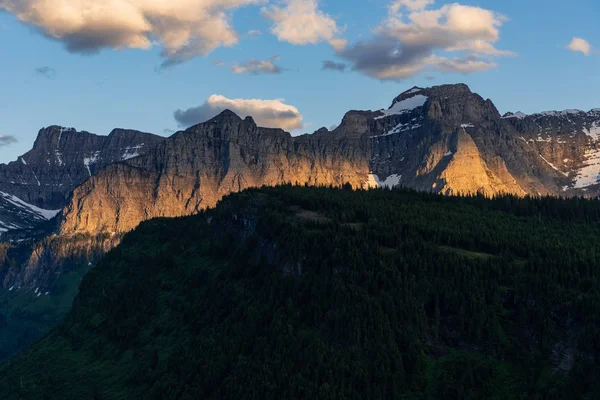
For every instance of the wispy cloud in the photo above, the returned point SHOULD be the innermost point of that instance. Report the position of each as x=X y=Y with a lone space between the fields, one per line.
x=254 y=33
x=257 y=67
x=6 y=140
x=45 y=72
x=333 y=65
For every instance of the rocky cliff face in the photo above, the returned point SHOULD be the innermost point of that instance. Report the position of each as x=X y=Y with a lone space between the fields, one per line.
x=194 y=169
x=457 y=142
x=444 y=139
x=63 y=158
x=567 y=142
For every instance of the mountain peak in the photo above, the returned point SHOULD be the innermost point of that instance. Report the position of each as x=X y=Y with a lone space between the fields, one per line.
x=53 y=129
x=450 y=90
x=250 y=120
x=226 y=116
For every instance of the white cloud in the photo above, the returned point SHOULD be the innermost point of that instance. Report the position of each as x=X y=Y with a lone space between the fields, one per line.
x=256 y=67
x=300 y=22
x=581 y=45
x=266 y=113
x=414 y=38
x=185 y=28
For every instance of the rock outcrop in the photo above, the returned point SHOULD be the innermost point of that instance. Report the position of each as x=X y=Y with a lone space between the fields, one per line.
x=194 y=169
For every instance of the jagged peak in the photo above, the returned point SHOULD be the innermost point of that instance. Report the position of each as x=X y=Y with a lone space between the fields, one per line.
x=412 y=90
x=51 y=134
x=322 y=130
x=226 y=115
x=250 y=120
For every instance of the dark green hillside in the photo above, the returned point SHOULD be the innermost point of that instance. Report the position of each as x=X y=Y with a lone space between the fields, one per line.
x=314 y=293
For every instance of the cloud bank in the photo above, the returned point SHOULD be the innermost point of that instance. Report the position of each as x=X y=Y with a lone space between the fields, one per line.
x=414 y=38
x=266 y=113
x=184 y=28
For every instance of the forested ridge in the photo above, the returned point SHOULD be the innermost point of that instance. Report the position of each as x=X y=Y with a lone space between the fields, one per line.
x=321 y=293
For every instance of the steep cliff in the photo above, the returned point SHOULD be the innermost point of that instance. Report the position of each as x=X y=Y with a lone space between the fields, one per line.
x=194 y=169
x=443 y=139
x=62 y=158
x=567 y=142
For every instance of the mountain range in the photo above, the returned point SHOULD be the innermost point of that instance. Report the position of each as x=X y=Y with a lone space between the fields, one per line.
x=444 y=139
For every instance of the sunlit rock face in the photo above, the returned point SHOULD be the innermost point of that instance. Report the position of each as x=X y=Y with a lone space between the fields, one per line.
x=194 y=169
x=444 y=139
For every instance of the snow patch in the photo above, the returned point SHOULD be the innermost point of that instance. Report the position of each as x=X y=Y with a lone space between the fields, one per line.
x=467 y=126
x=559 y=113
x=40 y=212
x=36 y=178
x=405 y=106
x=400 y=128
x=552 y=165
x=130 y=152
x=590 y=173
x=593 y=130
x=413 y=90
x=92 y=159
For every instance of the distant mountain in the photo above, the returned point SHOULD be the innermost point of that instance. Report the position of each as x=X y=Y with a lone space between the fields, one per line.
x=566 y=141
x=41 y=180
x=317 y=293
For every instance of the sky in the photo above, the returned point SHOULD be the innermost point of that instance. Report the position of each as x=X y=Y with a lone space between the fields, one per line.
x=162 y=65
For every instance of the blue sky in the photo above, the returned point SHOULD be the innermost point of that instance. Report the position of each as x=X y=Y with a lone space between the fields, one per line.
x=122 y=84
